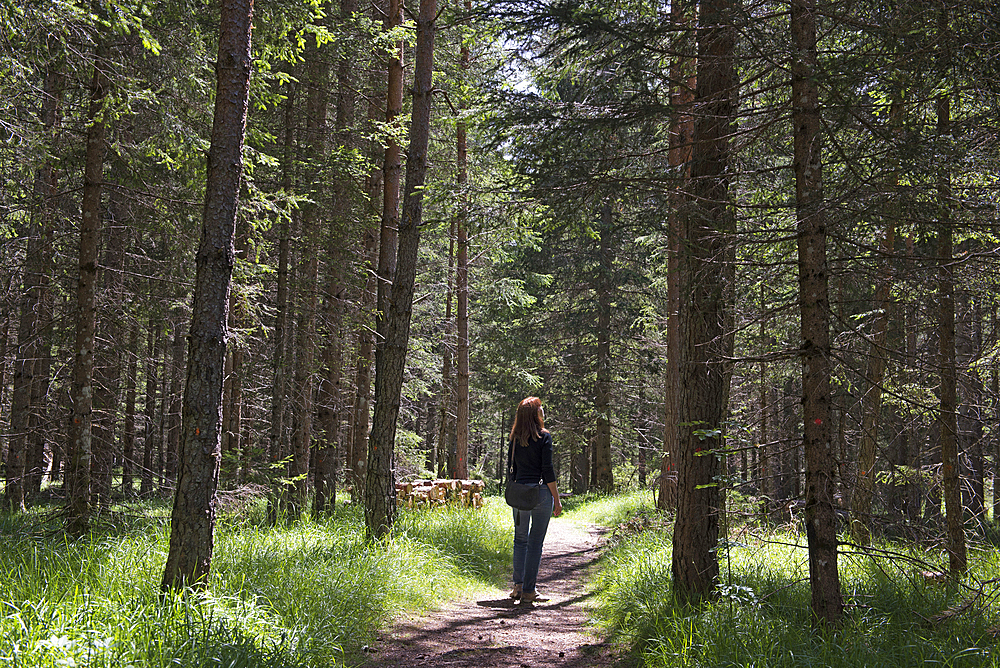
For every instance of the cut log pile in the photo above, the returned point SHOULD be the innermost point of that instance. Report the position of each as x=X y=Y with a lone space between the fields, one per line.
x=441 y=492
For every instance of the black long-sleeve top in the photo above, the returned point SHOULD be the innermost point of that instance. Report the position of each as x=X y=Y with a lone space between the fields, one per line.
x=533 y=462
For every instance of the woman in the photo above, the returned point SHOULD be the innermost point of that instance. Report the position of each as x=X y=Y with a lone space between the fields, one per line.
x=531 y=457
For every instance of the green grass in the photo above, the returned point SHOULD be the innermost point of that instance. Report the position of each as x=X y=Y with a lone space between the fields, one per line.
x=609 y=511
x=306 y=595
x=761 y=617
x=313 y=593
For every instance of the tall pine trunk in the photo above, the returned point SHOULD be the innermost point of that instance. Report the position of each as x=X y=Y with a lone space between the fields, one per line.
x=462 y=297
x=707 y=228
x=192 y=521
x=814 y=309
x=361 y=409
x=861 y=500
x=128 y=428
x=446 y=423
x=154 y=337
x=330 y=394
x=603 y=479
x=682 y=76
x=82 y=392
x=282 y=321
x=30 y=382
x=390 y=359
x=948 y=418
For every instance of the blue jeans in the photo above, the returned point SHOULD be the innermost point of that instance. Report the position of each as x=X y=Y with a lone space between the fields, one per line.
x=529 y=535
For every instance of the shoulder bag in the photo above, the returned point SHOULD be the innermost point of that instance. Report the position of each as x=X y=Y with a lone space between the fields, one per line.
x=518 y=495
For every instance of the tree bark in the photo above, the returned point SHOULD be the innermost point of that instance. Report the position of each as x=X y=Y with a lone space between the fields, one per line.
x=948 y=419
x=78 y=477
x=172 y=400
x=445 y=422
x=30 y=383
x=603 y=480
x=154 y=335
x=108 y=371
x=128 y=429
x=276 y=440
x=391 y=167
x=390 y=359
x=871 y=408
x=681 y=133
x=360 y=411
x=193 y=518
x=462 y=296
x=814 y=307
x=708 y=225
x=330 y=396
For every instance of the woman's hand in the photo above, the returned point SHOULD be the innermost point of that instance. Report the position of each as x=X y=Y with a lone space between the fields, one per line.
x=556 y=503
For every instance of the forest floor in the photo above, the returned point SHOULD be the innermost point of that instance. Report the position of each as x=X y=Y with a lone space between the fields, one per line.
x=496 y=632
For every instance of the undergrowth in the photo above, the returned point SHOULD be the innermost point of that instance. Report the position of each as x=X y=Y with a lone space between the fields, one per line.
x=309 y=594
x=895 y=614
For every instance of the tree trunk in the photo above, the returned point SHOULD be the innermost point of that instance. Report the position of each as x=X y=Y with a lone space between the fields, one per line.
x=603 y=480
x=38 y=418
x=948 y=420
x=765 y=488
x=708 y=225
x=33 y=353
x=234 y=427
x=232 y=417
x=303 y=390
x=329 y=403
x=387 y=259
x=681 y=134
x=192 y=521
x=462 y=297
x=330 y=400
x=276 y=440
x=970 y=423
x=447 y=387
x=391 y=167
x=107 y=390
x=360 y=411
x=47 y=190
x=390 y=359
x=814 y=306
x=861 y=501
x=78 y=478
x=128 y=429
x=154 y=335
x=172 y=400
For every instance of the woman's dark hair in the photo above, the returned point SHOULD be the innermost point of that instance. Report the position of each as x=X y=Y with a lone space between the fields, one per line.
x=529 y=422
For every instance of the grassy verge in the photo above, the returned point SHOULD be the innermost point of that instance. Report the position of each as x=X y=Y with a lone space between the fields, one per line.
x=311 y=594
x=895 y=615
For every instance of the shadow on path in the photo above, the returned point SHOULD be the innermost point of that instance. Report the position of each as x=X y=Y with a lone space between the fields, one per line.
x=501 y=633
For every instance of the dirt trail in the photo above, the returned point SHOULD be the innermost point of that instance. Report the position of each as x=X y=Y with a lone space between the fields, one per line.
x=497 y=633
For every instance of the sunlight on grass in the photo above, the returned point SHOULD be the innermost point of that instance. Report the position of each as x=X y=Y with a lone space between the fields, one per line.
x=312 y=593
x=761 y=617
x=307 y=594
x=607 y=510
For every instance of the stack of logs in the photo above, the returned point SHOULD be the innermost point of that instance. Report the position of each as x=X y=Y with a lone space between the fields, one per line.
x=433 y=493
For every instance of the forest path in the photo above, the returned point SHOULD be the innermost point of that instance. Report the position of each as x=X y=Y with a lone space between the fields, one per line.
x=498 y=633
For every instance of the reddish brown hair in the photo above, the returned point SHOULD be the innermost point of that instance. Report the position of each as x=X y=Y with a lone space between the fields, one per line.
x=529 y=423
